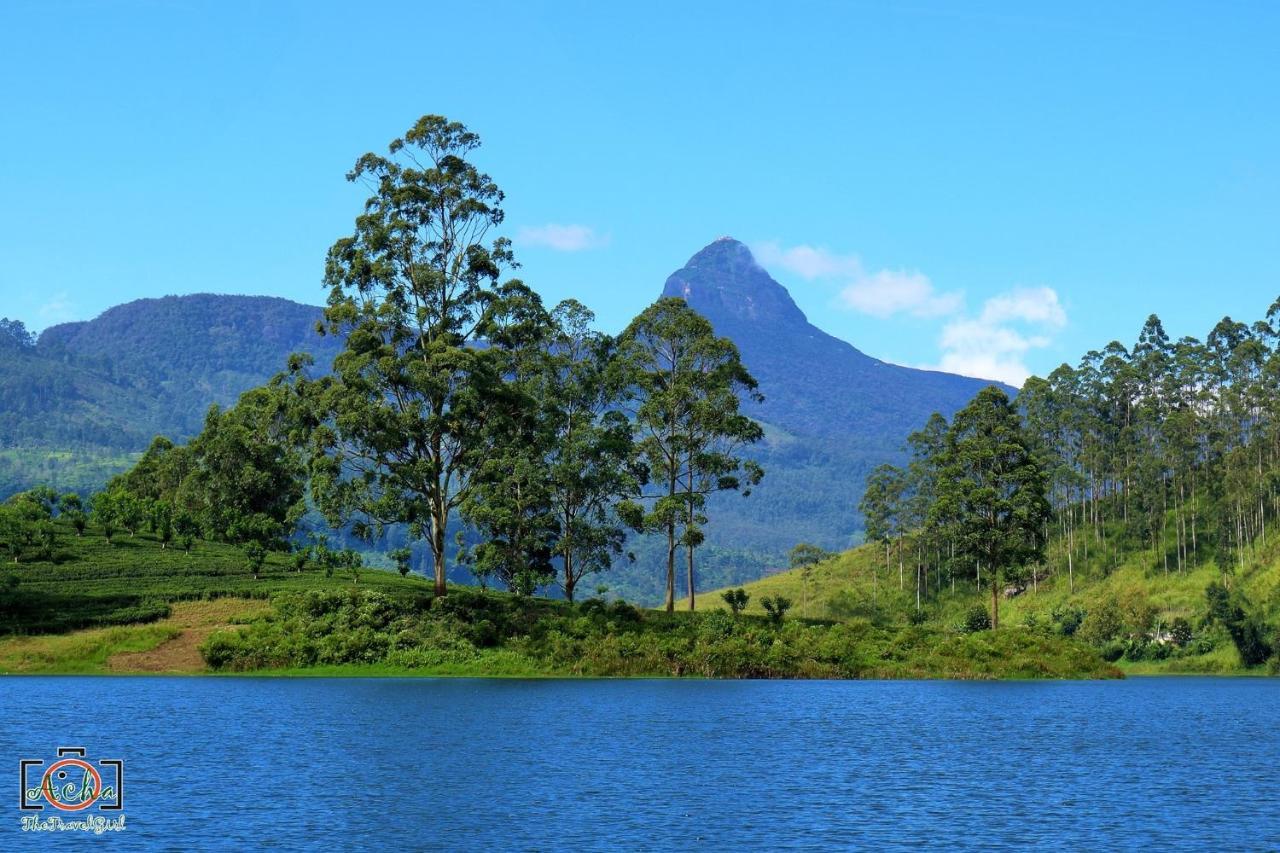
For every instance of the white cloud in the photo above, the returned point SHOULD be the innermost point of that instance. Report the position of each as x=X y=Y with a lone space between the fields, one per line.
x=808 y=262
x=1030 y=304
x=561 y=238
x=994 y=345
x=882 y=293
x=59 y=309
x=888 y=292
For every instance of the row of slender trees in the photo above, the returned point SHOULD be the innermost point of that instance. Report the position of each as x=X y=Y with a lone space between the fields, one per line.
x=458 y=395
x=1171 y=444
x=1171 y=448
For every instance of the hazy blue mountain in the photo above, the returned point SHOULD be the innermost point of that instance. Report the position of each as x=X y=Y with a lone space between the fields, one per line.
x=832 y=413
x=191 y=351
x=815 y=385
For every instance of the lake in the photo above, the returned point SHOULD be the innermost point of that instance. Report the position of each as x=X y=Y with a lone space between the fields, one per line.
x=246 y=763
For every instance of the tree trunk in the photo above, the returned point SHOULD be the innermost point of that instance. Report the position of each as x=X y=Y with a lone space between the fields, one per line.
x=917 y=585
x=692 y=603
x=671 y=566
x=437 y=551
x=875 y=576
x=1071 y=569
x=902 y=584
x=995 y=601
x=569 y=580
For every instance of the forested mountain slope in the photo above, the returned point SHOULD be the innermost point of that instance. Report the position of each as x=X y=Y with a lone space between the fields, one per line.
x=1122 y=601
x=191 y=351
x=1151 y=478
x=80 y=402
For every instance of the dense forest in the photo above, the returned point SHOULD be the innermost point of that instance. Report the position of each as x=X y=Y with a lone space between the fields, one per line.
x=88 y=397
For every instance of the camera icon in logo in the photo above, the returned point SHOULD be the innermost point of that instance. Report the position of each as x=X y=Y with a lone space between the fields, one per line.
x=71 y=782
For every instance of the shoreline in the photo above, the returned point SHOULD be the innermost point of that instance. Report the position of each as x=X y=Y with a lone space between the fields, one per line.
x=373 y=672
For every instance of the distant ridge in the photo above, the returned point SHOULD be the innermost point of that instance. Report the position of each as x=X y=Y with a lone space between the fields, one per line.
x=192 y=351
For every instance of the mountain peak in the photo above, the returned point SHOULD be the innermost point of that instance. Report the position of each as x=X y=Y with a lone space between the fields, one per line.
x=723 y=282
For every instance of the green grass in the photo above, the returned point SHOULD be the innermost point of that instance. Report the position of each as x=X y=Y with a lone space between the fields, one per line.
x=79 y=653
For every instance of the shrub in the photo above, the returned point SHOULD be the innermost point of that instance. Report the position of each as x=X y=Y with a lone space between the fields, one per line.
x=1248 y=633
x=736 y=599
x=254 y=556
x=624 y=612
x=593 y=607
x=221 y=649
x=8 y=589
x=717 y=625
x=403 y=558
x=1201 y=646
x=1180 y=631
x=977 y=619
x=1136 y=648
x=1068 y=619
x=1112 y=651
x=776 y=608
x=1102 y=622
x=483 y=634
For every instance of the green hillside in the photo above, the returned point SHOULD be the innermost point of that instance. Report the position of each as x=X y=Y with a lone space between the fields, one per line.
x=1123 y=595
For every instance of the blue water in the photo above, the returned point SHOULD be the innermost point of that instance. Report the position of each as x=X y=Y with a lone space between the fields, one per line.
x=243 y=764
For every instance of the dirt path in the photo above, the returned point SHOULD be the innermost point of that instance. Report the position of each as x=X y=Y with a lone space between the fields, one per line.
x=196 y=621
x=181 y=654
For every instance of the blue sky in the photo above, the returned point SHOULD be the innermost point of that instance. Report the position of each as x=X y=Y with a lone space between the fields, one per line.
x=989 y=187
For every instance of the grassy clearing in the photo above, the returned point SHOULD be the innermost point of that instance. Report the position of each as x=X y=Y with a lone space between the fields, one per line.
x=80 y=653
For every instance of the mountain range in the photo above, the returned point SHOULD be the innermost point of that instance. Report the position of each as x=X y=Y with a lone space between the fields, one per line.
x=82 y=400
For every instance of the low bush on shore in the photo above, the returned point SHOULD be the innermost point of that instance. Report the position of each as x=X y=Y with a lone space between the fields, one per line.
x=473 y=632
